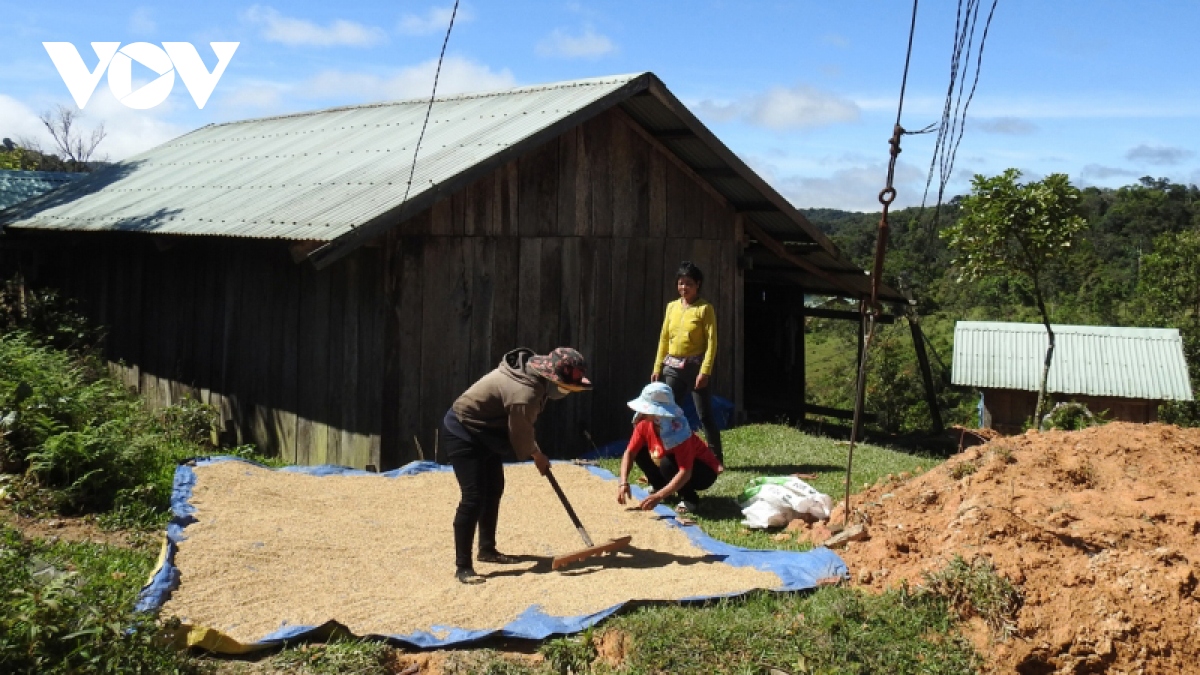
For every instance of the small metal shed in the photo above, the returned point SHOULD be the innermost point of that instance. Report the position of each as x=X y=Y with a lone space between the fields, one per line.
x=1125 y=371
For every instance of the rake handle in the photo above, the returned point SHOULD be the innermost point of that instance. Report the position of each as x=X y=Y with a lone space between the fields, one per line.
x=562 y=497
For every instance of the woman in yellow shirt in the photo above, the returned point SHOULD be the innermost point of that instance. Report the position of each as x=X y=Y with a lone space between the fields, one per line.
x=687 y=347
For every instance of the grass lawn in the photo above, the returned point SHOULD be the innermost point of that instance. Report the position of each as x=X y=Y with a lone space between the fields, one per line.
x=776 y=450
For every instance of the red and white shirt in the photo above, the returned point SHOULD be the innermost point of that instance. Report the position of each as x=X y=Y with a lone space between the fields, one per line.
x=645 y=435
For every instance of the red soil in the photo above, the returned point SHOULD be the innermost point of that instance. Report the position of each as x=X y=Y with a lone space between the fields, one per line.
x=1098 y=529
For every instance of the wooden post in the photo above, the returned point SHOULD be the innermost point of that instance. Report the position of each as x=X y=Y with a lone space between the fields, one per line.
x=800 y=366
x=739 y=321
x=926 y=375
x=862 y=330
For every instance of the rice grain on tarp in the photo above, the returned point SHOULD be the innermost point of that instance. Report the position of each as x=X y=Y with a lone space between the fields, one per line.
x=272 y=549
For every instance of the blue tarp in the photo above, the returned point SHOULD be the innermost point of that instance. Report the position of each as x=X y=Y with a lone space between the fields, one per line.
x=797 y=571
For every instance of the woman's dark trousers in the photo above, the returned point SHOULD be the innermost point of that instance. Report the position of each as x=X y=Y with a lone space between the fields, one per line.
x=660 y=474
x=480 y=474
x=683 y=382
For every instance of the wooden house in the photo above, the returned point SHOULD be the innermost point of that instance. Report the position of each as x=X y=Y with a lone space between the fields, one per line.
x=1123 y=372
x=332 y=298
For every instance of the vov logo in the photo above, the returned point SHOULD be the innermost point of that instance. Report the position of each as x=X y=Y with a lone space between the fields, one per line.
x=171 y=58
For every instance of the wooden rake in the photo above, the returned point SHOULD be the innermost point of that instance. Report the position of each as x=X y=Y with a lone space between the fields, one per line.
x=592 y=549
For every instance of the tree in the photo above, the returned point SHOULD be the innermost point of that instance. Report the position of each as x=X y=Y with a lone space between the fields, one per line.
x=15 y=158
x=1169 y=289
x=75 y=149
x=1019 y=229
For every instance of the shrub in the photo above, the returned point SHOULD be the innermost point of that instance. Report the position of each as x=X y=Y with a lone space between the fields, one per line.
x=47 y=314
x=962 y=470
x=571 y=654
x=84 y=444
x=1071 y=416
x=66 y=609
x=1180 y=413
x=976 y=589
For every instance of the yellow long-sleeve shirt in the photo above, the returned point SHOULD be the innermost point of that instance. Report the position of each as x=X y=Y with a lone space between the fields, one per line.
x=688 y=332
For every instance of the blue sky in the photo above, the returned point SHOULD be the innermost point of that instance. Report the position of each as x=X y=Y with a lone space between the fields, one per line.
x=805 y=92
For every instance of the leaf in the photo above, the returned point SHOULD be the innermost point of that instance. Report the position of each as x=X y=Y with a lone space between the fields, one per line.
x=81 y=633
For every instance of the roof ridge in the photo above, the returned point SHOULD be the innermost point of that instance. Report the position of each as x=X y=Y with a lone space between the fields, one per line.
x=564 y=84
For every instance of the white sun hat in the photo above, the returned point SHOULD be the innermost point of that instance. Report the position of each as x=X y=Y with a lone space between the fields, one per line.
x=656 y=399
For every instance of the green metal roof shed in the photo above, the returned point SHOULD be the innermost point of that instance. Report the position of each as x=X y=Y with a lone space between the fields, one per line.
x=1105 y=361
x=17 y=186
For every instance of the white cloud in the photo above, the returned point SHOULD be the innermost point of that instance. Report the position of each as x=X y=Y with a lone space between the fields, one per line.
x=255 y=94
x=830 y=70
x=141 y=22
x=435 y=20
x=850 y=188
x=128 y=131
x=587 y=45
x=18 y=122
x=1158 y=155
x=133 y=131
x=459 y=75
x=301 y=32
x=1004 y=125
x=783 y=108
x=1099 y=172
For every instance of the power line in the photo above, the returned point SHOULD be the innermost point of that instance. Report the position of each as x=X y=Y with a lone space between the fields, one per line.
x=954 y=111
x=869 y=311
x=429 y=109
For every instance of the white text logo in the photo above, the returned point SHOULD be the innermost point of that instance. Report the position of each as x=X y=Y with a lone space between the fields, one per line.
x=179 y=57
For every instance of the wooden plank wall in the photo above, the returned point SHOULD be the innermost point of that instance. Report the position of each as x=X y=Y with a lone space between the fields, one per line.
x=1007 y=410
x=291 y=356
x=575 y=243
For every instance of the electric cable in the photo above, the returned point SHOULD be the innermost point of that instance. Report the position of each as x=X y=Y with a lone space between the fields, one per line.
x=429 y=109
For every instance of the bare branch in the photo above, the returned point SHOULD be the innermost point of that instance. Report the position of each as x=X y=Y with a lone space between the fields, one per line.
x=73 y=147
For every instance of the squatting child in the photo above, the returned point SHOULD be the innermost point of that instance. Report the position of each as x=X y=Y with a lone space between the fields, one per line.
x=676 y=461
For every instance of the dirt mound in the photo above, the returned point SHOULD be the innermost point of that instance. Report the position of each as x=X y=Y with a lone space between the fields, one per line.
x=1098 y=529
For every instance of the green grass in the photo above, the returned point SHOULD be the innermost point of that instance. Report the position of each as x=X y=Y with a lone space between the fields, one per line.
x=68 y=608
x=834 y=630
x=825 y=350
x=339 y=657
x=777 y=450
x=976 y=589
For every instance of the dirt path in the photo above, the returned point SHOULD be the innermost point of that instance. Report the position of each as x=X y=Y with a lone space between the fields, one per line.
x=1099 y=529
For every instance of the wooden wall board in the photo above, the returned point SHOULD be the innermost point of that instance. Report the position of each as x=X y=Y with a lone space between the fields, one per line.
x=391 y=447
x=597 y=135
x=312 y=441
x=289 y=362
x=568 y=212
x=538 y=196
x=353 y=453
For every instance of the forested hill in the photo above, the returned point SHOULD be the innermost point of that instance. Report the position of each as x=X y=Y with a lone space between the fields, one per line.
x=1136 y=263
x=1113 y=274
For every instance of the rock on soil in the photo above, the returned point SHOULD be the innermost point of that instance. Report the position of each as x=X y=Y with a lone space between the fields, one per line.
x=1098 y=529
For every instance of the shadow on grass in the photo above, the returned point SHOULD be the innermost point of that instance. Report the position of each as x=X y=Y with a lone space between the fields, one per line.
x=918 y=442
x=719 y=508
x=788 y=469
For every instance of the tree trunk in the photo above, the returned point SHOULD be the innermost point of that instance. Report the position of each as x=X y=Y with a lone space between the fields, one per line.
x=1041 y=398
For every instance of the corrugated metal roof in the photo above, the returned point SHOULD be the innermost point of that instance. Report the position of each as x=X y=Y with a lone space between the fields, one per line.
x=1140 y=363
x=339 y=175
x=17 y=186
x=310 y=176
